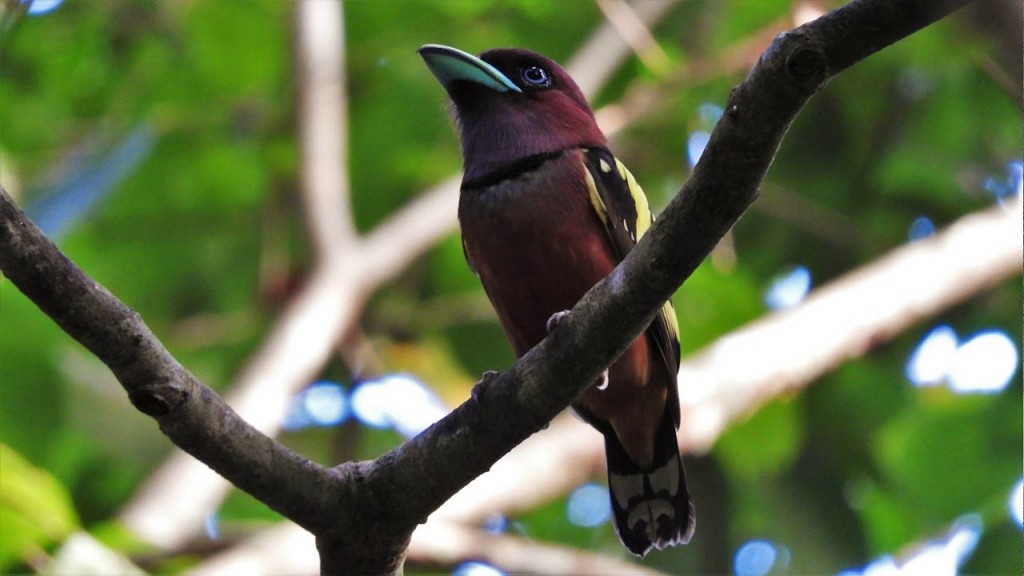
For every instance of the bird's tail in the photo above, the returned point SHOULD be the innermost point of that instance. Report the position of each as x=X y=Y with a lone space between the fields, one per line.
x=651 y=505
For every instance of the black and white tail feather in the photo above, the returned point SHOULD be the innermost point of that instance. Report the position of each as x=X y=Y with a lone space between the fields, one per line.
x=652 y=507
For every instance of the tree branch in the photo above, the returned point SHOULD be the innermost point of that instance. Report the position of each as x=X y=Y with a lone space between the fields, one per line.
x=183 y=491
x=188 y=412
x=323 y=123
x=363 y=514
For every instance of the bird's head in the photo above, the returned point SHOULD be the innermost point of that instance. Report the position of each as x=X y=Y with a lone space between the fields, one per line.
x=510 y=105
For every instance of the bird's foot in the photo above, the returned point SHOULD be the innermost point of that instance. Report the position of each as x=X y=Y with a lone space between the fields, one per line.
x=552 y=323
x=555 y=319
x=477 y=393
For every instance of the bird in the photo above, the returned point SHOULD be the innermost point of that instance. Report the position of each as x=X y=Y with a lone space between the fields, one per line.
x=546 y=211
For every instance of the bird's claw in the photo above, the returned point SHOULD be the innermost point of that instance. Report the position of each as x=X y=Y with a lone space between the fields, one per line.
x=555 y=319
x=480 y=387
x=552 y=323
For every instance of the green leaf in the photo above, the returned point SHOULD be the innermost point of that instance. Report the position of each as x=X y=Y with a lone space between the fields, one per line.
x=765 y=444
x=35 y=509
x=950 y=456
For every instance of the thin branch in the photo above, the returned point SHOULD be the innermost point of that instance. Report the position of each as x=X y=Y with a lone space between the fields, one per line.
x=1000 y=21
x=450 y=544
x=284 y=548
x=645 y=100
x=607 y=48
x=323 y=123
x=173 y=502
x=812 y=217
x=633 y=30
x=396 y=243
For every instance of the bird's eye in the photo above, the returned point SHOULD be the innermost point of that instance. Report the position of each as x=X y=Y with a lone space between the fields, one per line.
x=536 y=76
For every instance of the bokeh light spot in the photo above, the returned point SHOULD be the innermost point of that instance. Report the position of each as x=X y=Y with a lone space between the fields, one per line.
x=588 y=506
x=40 y=7
x=1016 y=503
x=325 y=403
x=695 y=145
x=476 y=569
x=922 y=227
x=944 y=556
x=884 y=566
x=930 y=361
x=709 y=114
x=495 y=524
x=788 y=289
x=985 y=363
x=1016 y=169
x=87 y=178
x=1010 y=185
x=754 y=558
x=398 y=400
x=913 y=84
x=370 y=404
x=941 y=556
x=321 y=404
x=211 y=525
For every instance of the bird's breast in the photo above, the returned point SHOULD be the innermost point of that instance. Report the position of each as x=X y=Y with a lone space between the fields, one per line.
x=538 y=246
x=536 y=243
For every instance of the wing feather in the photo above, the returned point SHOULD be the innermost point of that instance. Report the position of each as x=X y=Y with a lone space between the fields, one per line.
x=623 y=209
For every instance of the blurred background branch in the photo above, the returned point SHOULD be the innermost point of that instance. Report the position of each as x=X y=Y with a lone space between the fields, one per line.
x=288 y=549
x=323 y=124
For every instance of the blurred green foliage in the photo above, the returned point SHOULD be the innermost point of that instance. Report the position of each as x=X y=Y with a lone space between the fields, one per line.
x=205 y=239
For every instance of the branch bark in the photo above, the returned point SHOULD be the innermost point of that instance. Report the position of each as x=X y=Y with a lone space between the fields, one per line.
x=363 y=514
x=188 y=412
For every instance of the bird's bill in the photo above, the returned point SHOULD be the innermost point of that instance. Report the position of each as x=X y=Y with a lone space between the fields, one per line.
x=451 y=64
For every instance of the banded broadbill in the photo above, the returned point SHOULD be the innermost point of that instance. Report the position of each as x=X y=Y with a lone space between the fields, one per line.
x=546 y=212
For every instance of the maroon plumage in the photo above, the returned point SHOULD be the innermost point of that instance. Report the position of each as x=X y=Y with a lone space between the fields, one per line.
x=545 y=214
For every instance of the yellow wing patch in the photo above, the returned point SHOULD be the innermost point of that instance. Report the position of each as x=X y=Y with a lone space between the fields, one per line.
x=595 y=198
x=643 y=210
x=669 y=312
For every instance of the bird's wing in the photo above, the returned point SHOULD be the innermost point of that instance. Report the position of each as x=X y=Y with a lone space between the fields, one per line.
x=622 y=206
